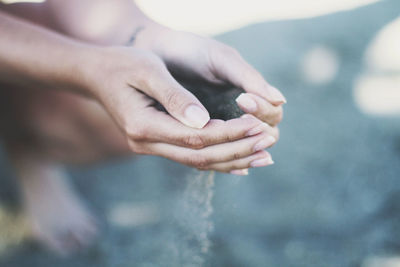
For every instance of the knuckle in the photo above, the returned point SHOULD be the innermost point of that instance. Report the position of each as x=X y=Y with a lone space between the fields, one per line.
x=136 y=133
x=223 y=51
x=173 y=98
x=206 y=168
x=198 y=161
x=237 y=165
x=230 y=136
x=229 y=168
x=135 y=147
x=194 y=140
x=275 y=116
x=202 y=162
x=132 y=145
x=236 y=155
x=278 y=114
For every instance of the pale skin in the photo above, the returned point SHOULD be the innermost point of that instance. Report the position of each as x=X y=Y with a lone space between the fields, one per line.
x=111 y=73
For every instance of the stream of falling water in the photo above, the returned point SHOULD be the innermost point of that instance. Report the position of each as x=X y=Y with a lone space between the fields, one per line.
x=193 y=220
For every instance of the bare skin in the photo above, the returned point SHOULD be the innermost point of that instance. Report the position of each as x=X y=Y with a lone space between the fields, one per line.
x=81 y=96
x=46 y=193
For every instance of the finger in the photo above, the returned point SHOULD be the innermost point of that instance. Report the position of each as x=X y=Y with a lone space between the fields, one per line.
x=229 y=65
x=132 y=111
x=165 y=129
x=260 y=108
x=258 y=159
x=264 y=127
x=202 y=158
x=156 y=81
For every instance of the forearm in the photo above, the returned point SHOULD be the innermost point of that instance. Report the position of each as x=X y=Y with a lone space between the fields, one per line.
x=32 y=55
x=100 y=21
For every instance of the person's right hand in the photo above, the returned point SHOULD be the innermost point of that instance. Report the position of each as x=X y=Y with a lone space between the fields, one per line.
x=126 y=80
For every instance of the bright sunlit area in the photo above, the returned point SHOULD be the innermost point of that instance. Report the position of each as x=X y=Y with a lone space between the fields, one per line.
x=212 y=17
x=377 y=90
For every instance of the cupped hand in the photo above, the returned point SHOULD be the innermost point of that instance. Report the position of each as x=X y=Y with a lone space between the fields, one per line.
x=127 y=81
x=218 y=63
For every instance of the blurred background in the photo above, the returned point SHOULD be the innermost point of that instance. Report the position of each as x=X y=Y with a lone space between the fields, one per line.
x=333 y=196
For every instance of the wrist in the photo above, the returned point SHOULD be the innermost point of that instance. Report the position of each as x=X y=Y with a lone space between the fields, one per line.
x=87 y=69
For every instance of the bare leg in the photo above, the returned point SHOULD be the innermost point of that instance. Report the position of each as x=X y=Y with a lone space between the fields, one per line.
x=44 y=127
x=58 y=218
x=72 y=130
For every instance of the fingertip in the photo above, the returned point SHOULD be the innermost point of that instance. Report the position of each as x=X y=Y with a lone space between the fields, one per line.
x=195 y=116
x=262 y=162
x=276 y=97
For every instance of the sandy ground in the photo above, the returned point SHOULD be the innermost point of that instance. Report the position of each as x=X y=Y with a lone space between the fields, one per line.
x=331 y=199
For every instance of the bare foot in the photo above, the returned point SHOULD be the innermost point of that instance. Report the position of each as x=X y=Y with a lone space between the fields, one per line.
x=58 y=218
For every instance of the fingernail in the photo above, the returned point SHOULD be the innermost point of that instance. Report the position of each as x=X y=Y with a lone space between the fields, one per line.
x=247 y=103
x=256 y=130
x=196 y=117
x=261 y=162
x=264 y=143
x=242 y=172
x=276 y=95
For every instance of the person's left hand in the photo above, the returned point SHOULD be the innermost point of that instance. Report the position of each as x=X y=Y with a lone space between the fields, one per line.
x=218 y=63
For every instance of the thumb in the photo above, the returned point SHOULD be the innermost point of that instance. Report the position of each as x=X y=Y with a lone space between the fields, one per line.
x=179 y=102
x=184 y=106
